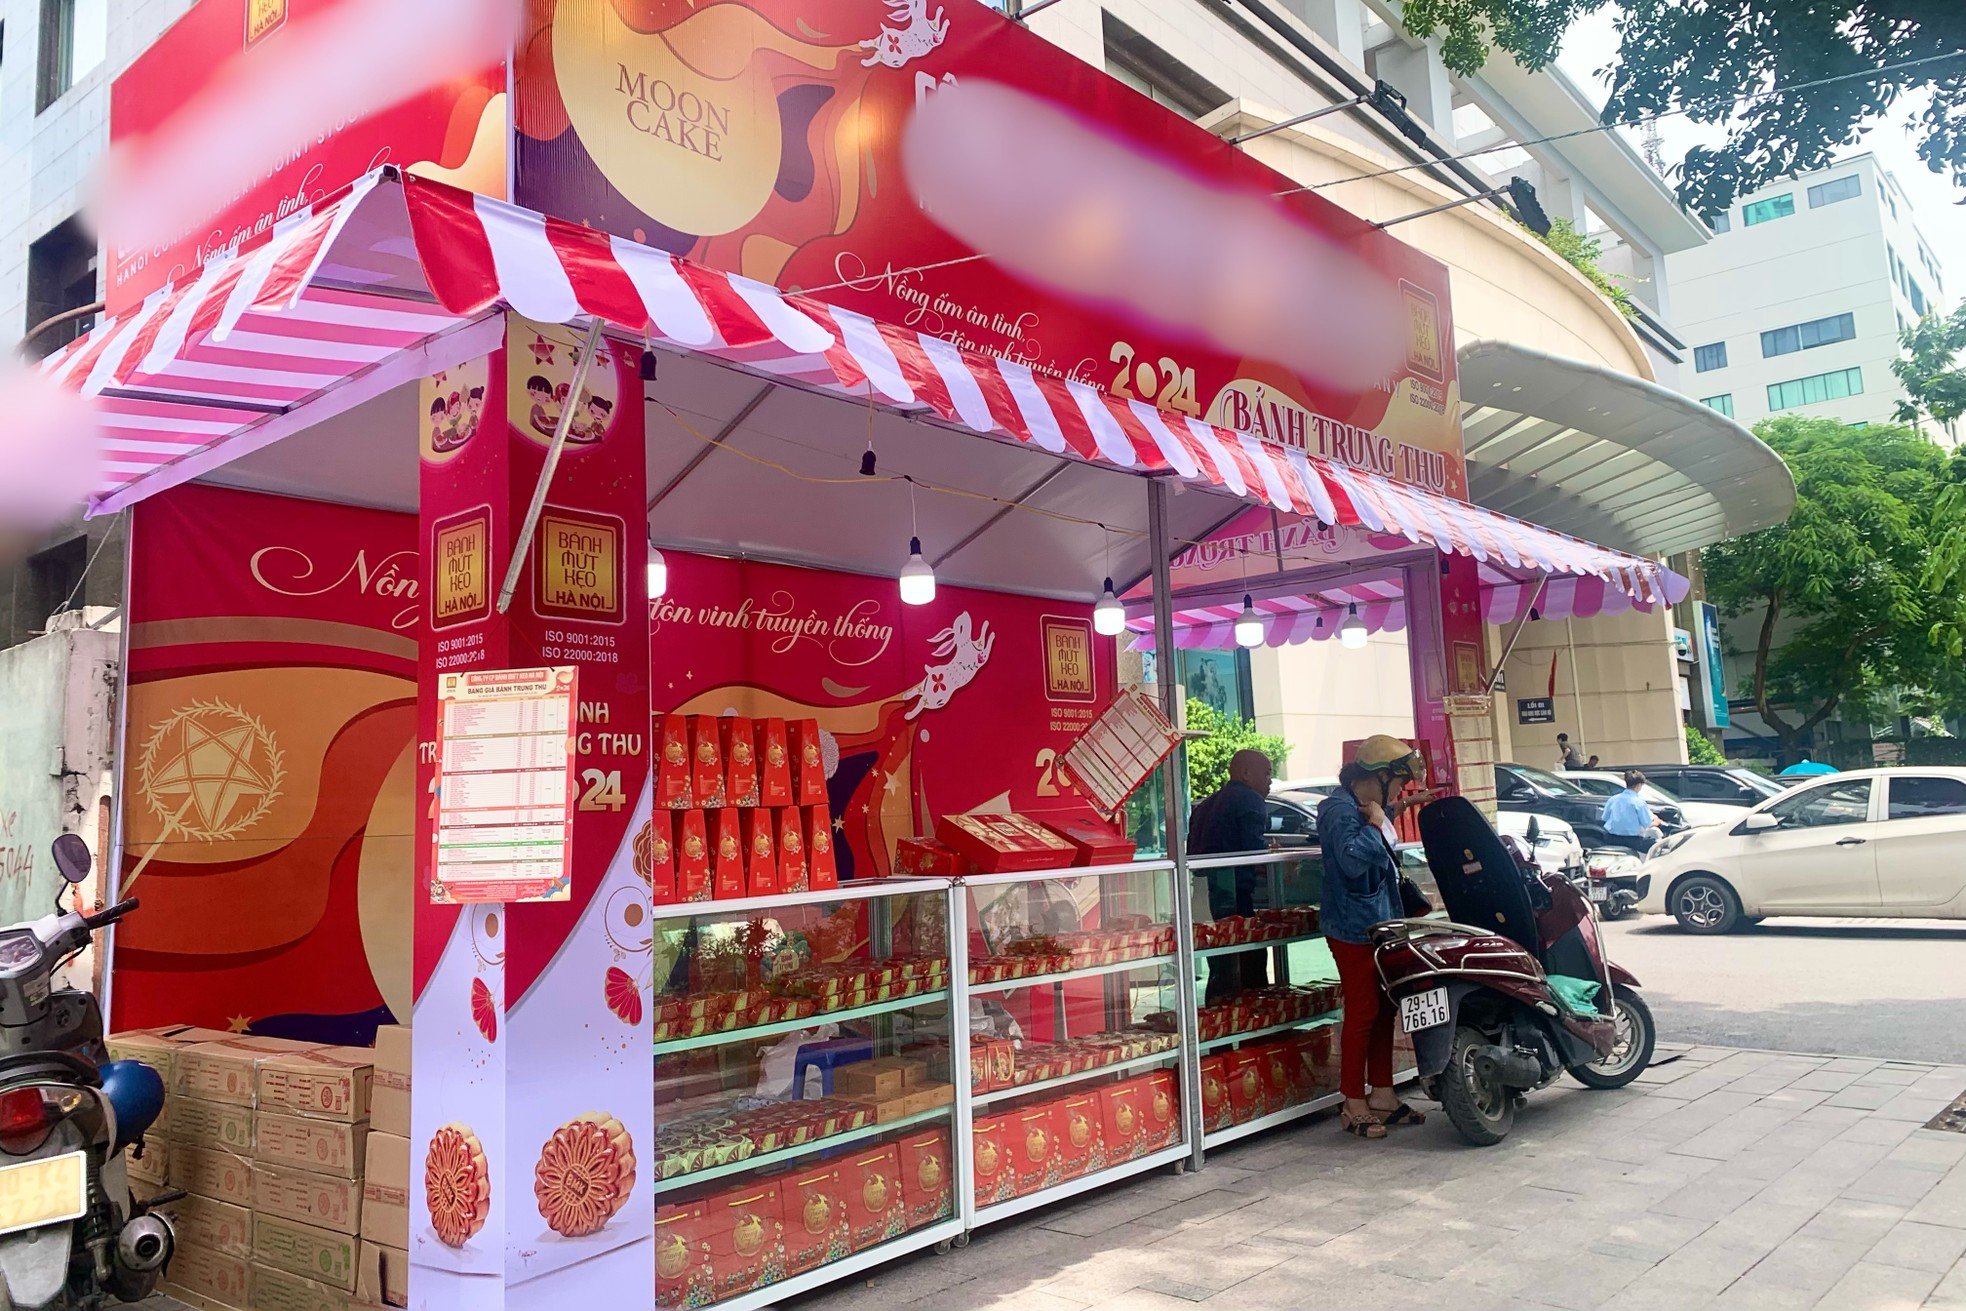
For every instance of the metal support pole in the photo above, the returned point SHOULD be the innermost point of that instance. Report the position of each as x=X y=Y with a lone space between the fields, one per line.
x=1177 y=824
x=1314 y=115
x=956 y=904
x=560 y=432
x=1020 y=12
x=112 y=873
x=1508 y=648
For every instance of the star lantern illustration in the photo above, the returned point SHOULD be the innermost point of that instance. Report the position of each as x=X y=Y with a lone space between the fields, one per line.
x=213 y=770
x=542 y=349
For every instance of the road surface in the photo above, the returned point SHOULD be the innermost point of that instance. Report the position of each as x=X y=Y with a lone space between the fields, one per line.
x=1883 y=988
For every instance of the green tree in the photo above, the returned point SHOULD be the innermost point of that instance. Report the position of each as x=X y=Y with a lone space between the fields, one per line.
x=1208 y=757
x=1933 y=378
x=1700 y=749
x=1842 y=593
x=1702 y=55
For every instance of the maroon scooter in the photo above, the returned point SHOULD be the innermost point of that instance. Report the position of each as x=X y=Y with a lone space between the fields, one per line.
x=1475 y=991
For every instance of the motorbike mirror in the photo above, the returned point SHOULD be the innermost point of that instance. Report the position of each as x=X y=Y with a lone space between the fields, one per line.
x=1535 y=831
x=72 y=857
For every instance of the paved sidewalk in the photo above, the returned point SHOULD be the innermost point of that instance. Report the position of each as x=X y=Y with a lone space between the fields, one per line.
x=1726 y=1179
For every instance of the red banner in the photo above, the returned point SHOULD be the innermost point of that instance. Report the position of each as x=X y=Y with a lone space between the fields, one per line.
x=267 y=783
x=769 y=137
x=455 y=133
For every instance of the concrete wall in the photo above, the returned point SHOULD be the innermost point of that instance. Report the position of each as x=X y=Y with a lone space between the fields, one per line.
x=56 y=762
x=1318 y=696
x=1628 y=710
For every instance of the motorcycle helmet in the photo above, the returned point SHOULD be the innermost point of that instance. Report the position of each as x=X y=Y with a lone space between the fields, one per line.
x=1383 y=753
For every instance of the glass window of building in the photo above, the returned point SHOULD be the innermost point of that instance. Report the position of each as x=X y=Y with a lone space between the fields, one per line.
x=1806 y=336
x=74 y=39
x=1708 y=358
x=1724 y=403
x=1828 y=193
x=1816 y=389
x=1761 y=211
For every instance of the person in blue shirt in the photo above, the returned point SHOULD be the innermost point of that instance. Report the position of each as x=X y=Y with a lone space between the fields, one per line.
x=1233 y=819
x=1361 y=889
x=1628 y=819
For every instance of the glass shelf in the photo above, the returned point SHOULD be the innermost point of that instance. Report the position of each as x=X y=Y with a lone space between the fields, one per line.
x=776 y=1027
x=1203 y=953
x=1250 y=1035
x=678 y=1182
x=1065 y=976
x=1118 y=1067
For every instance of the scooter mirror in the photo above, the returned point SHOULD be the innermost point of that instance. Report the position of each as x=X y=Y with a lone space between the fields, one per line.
x=1535 y=831
x=72 y=857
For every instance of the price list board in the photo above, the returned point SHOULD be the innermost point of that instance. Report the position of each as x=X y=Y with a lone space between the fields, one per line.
x=1119 y=750
x=505 y=786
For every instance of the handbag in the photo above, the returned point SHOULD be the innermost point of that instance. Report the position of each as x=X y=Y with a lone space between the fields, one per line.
x=1413 y=901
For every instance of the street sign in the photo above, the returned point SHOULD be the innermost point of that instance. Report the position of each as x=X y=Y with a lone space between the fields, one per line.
x=1535 y=710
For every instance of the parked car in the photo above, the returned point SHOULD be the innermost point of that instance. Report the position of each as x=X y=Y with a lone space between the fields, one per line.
x=1556 y=849
x=1696 y=813
x=1525 y=789
x=1293 y=817
x=1723 y=785
x=1873 y=842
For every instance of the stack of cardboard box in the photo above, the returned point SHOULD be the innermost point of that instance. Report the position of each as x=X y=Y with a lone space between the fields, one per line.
x=385 y=1268
x=268 y=1138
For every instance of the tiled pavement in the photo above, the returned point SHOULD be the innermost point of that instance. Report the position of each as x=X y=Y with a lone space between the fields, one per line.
x=1725 y=1179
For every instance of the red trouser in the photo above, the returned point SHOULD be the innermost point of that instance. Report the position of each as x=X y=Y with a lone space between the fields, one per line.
x=1365 y=1045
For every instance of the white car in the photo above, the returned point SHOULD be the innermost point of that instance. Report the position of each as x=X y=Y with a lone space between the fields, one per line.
x=1557 y=850
x=1871 y=842
x=1698 y=814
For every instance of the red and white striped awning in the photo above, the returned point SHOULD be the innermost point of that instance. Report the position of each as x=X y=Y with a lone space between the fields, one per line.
x=380 y=282
x=1293 y=619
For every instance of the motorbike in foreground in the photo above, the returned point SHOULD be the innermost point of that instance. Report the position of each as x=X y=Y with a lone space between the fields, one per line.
x=72 y=1234
x=1618 y=881
x=1513 y=988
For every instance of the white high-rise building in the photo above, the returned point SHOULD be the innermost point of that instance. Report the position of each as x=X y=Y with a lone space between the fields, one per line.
x=1797 y=304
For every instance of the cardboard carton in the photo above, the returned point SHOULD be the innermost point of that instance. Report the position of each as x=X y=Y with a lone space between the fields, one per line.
x=1244 y=1077
x=740 y=745
x=154 y=1166
x=706 y=762
x=306 y=1250
x=727 y=854
x=774 y=763
x=682 y=1256
x=1216 y=1112
x=331 y=1083
x=808 y=763
x=280 y=1290
x=223 y=1125
x=875 y=1208
x=211 y=1225
x=928 y=1097
x=389 y=1095
x=224 y=1070
x=761 y=876
x=990 y=1155
x=927 y=1181
x=316 y=1199
x=822 y=870
x=158 y=1047
x=1121 y=1121
x=205 y=1274
x=321 y=1146
x=1033 y=1146
x=813 y=1217
x=1075 y=1126
x=746 y=1236
x=383 y=1276
x=869 y=1081
x=210 y=1172
x=674 y=785
x=386 y=1191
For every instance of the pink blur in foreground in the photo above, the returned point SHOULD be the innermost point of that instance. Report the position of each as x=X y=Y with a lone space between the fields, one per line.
x=50 y=449
x=1059 y=202
x=339 y=67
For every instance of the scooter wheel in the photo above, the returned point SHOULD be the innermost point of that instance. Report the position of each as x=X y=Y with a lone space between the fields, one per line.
x=1636 y=1037
x=1481 y=1110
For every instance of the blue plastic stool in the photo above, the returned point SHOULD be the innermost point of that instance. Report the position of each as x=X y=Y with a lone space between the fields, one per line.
x=827 y=1057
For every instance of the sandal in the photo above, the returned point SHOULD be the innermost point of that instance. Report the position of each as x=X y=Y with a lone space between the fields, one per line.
x=1403 y=1114
x=1367 y=1126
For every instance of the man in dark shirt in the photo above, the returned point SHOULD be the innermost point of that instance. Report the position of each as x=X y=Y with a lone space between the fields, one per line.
x=1235 y=818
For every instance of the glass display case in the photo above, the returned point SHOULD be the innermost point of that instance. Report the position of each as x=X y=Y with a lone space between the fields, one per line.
x=806 y=1116
x=1266 y=1022
x=1075 y=1029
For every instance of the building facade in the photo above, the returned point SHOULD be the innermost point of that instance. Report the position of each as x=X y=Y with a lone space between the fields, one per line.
x=1797 y=305
x=1571 y=408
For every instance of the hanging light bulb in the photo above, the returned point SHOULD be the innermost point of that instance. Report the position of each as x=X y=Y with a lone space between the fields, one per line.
x=1249 y=624
x=1108 y=615
x=658 y=574
x=917 y=578
x=1351 y=633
